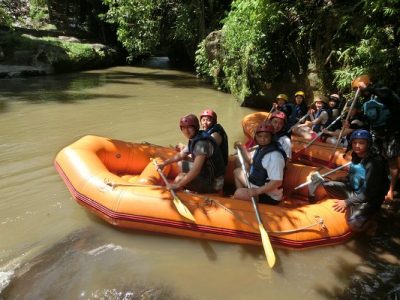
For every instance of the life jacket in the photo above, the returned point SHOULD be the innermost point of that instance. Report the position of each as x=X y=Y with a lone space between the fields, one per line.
x=356 y=177
x=215 y=164
x=300 y=110
x=290 y=110
x=224 y=144
x=376 y=112
x=318 y=127
x=258 y=175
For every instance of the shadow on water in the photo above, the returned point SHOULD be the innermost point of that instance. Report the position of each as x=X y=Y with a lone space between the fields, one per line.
x=66 y=270
x=68 y=88
x=378 y=276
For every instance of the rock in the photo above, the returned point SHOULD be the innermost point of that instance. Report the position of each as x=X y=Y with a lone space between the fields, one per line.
x=70 y=39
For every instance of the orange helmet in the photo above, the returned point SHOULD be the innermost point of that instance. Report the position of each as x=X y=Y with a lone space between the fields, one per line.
x=189 y=120
x=363 y=78
x=265 y=127
x=209 y=113
x=279 y=115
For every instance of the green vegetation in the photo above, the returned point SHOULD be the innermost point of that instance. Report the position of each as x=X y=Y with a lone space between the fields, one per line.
x=268 y=41
x=61 y=55
x=177 y=26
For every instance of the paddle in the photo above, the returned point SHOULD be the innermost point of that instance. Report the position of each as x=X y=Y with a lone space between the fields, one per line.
x=346 y=120
x=273 y=108
x=323 y=175
x=299 y=121
x=295 y=155
x=182 y=209
x=269 y=252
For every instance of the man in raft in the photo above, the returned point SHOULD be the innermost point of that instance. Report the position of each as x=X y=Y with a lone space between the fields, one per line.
x=206 y=173
x=382 y=108
x=363 y=190
x=208 y=121
x=266 y=168
x=278 y=121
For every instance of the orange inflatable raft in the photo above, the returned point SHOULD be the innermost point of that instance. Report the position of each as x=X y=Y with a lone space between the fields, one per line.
x=106 y=176
x=318 y=153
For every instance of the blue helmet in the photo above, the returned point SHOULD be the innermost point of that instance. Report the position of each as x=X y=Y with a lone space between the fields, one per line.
x=361 y=134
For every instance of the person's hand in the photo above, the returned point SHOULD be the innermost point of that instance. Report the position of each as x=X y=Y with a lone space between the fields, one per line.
x=174 y=187
x=326 y=131
x=237 y=144
x=179 y=147
x=340 y=206
x=346 y=124
x=274 y=105
x=161 y=166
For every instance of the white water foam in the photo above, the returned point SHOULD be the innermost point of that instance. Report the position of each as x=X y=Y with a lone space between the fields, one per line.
x=103 y=249
x=7 y=272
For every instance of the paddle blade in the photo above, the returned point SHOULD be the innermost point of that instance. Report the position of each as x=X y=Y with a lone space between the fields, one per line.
x=183 y=210
x=269 y=252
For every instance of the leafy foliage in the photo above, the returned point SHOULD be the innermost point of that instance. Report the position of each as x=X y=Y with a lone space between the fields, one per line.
x=145 y=26
x=273 y=41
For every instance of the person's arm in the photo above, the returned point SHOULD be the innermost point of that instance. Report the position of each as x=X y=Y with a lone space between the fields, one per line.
x=217 y=137
x=270 y=186
x=322 y=118
x=275 y=165
x=193 y=172
x=177 y=157
x=374 y=180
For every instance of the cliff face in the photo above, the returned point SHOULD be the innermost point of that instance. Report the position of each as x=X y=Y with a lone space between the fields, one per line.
x=55 y=36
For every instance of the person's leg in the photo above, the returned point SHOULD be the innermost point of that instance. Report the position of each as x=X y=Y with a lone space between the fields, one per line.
x=242 y=194
x=394 y=175
x=336 y=189
x=239 y=176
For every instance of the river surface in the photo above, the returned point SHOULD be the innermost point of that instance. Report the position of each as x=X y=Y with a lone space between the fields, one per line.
x=51 y=248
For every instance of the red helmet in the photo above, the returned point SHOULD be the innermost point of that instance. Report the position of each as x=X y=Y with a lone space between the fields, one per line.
x=265 y=127
x=189 y=120
x=279 y=115
x=209 y=113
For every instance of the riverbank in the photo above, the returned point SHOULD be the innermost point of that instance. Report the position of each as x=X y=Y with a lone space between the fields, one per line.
x=24 y=54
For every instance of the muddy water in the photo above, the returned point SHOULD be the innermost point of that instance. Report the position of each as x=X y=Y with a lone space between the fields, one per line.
x=51 y=248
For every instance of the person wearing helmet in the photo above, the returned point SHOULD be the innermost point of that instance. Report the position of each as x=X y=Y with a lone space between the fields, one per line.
x=320 y=118
x=334 y=104
x=278 y=121
x=364 y=188
x=300 y=105
x=208 y=121
x=266 y=168
x=206 y=173
x=282 y=104
x=381 y=109
x=356 y=121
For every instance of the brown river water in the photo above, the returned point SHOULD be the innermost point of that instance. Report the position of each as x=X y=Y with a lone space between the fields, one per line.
x=51 y=248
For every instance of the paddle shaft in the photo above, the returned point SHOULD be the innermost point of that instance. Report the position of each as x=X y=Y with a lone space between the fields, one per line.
x=270 y=113
x=322 y=175
x=253 y=200
x=299 y=121
x=346 y=120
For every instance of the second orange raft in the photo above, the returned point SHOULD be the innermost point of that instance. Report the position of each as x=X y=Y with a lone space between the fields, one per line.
x=318 y=153
x=106 y=177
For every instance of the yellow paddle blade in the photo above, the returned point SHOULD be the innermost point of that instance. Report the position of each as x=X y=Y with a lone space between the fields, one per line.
x=269 y=252
x=182 y=209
